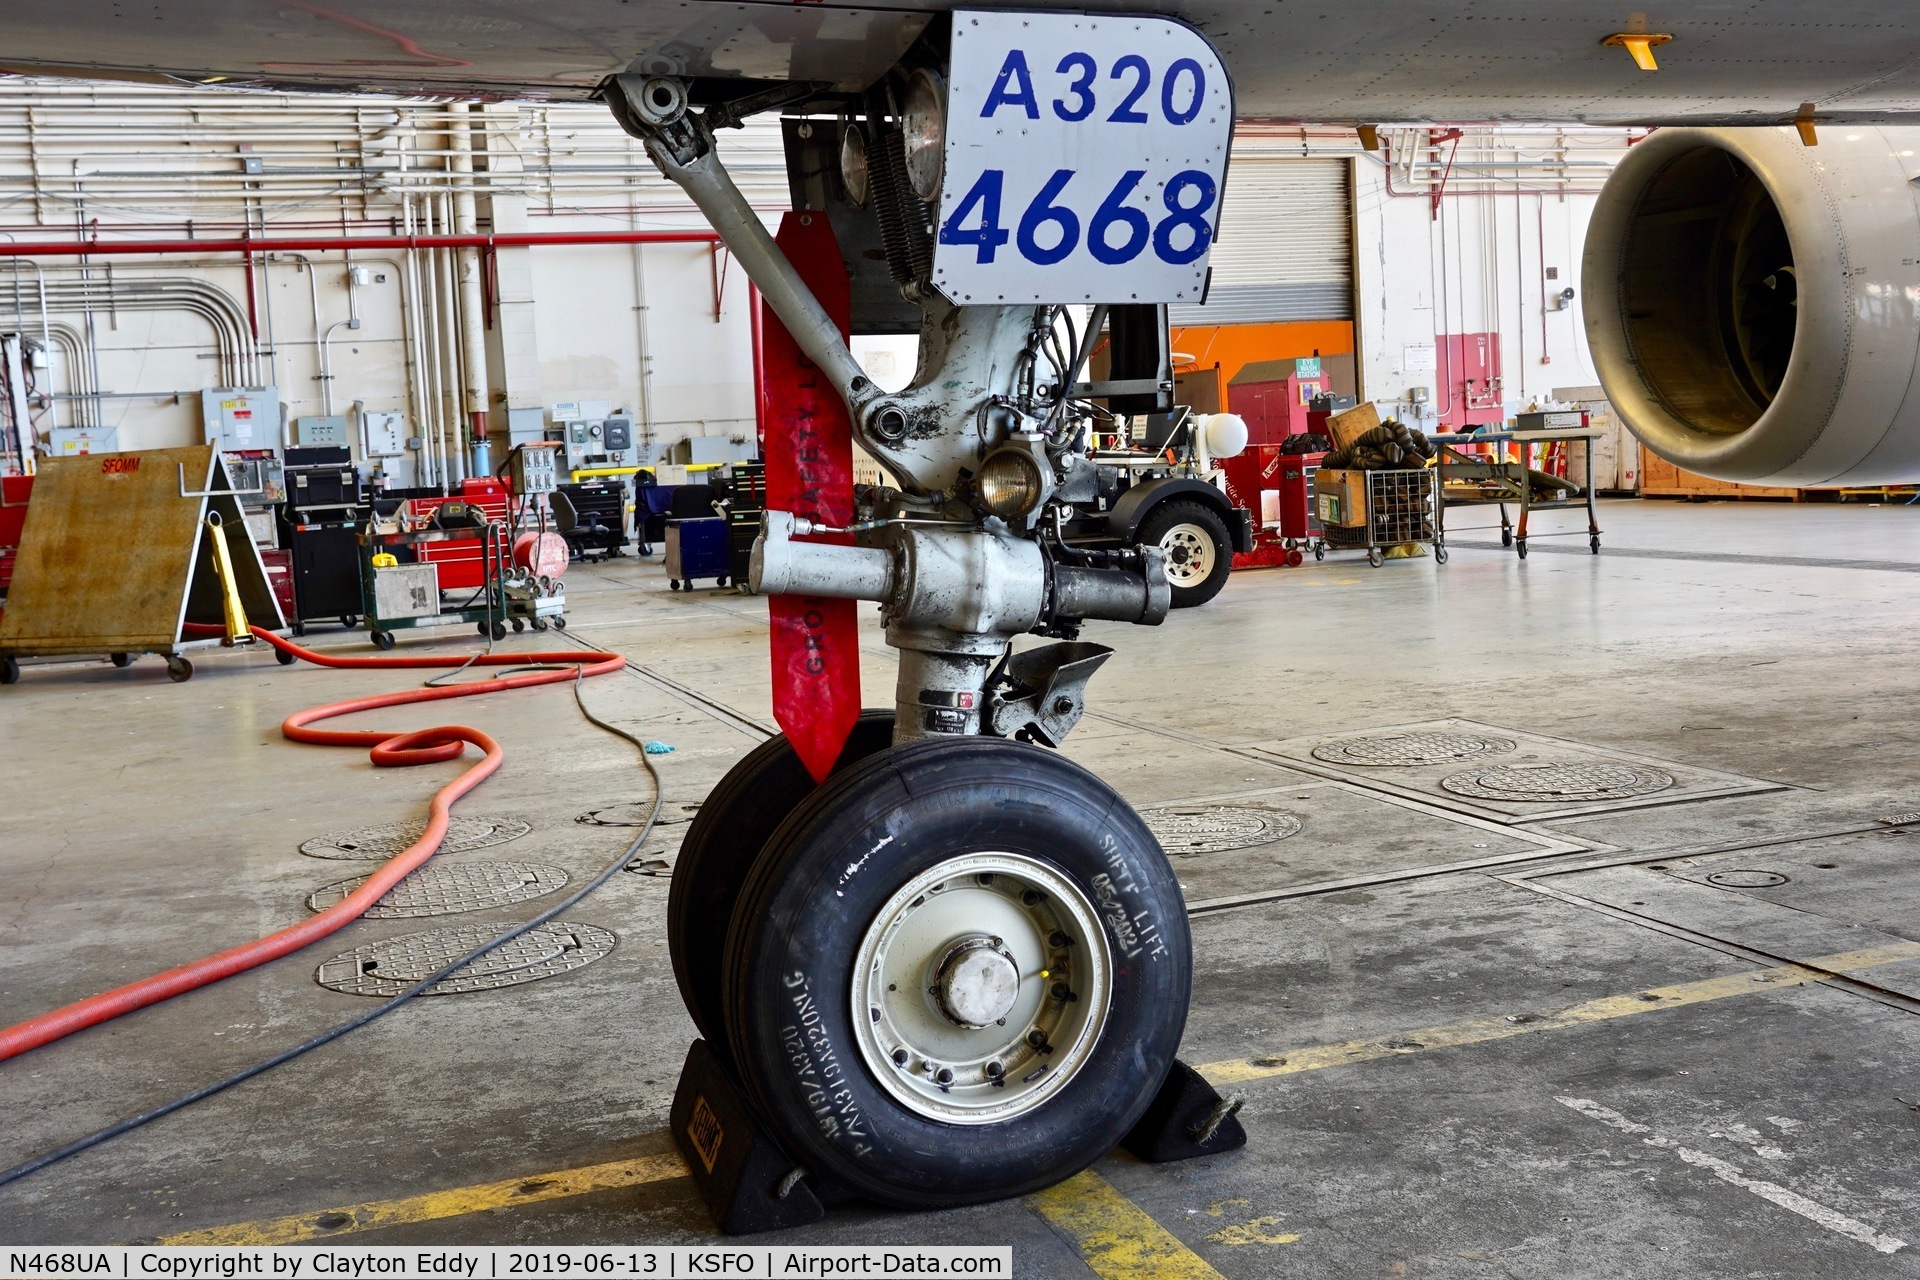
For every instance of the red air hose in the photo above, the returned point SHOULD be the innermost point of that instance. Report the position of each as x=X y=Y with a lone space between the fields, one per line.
x=421 y=746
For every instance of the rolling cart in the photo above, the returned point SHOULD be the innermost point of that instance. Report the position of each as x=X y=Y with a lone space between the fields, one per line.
x=1474 y=479
x=394 y=596
x=1375 y=510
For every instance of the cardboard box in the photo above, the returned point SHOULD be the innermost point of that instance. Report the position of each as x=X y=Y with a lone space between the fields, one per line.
x=1340 y=497
x=1347 y=427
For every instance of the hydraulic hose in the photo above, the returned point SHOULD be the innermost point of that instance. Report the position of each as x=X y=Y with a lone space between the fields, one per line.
x=420 y=746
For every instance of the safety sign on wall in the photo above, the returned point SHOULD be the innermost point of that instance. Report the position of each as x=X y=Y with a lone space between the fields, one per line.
x=1085 y=160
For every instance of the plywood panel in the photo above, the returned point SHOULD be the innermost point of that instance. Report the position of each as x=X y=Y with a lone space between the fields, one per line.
x=106 y=552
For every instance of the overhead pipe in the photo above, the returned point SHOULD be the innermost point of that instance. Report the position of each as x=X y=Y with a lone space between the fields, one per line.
x=323 y=244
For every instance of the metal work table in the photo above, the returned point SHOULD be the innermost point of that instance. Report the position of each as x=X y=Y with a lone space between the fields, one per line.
x=1498 y=482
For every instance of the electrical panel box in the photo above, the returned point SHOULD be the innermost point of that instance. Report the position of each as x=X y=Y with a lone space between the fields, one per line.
x=532 y=469
x=618 y=434
x=241 y=418
x=527 y=425
x=585 y=439
x=308 y=432
x=71 y=441
x=386 y=434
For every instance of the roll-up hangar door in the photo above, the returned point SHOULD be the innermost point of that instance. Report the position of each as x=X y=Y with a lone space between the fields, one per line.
x=1285 y=250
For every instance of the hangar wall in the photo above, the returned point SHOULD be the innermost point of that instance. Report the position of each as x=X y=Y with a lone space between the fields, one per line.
x=662 y=330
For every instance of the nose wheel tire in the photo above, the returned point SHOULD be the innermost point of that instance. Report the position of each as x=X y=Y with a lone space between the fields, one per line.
x=958 y=972
x=720 y=847
x=1198 y=548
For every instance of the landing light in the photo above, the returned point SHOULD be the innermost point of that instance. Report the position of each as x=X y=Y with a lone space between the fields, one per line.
x=923 y=118
x=853 y=164
x=1009 y=484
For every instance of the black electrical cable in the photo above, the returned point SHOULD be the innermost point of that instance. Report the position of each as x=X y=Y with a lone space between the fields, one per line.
x=354 y=1024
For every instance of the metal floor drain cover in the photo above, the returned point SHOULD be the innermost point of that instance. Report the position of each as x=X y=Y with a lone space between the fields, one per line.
x=634 y=814
x=448 y=888
x=390 y=967
x=376 y=844
x=1566 y=780
x=1216 y=828
x=1746 y=879
x=1404 y=749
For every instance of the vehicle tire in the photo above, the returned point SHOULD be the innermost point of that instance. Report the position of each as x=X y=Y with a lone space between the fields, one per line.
x=179 y=670
x=720 y=847
x=383 y=639
x=1198 y=546
x=980 y=863
x=121 y=660
x=9 y=671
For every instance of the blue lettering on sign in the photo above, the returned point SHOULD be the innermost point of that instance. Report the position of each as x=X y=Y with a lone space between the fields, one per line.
x=1188 y=197
x=1013 y=87
x=1176 y=115
x=1185 y=78
x=1081 y=88
x=1143 y=76
x=990 y=235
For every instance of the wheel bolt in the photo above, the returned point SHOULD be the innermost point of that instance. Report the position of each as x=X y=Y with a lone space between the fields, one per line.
x=1058 y=939
x=1030 y=898
x=985 y=877
x=1037 y=1039
x=944 y=1075
x=899 y=1057
x=1061 y=991
x=995 y=1070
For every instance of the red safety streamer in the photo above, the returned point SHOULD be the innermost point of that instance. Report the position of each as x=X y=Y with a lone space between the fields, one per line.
x=809 y=455
x=422 y=746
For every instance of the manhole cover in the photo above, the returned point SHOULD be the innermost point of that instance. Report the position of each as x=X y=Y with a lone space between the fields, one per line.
x=447 y=888
x=390 y=967
x=1603 y=780
x=1215 y=828
x=1403 y=749
x=375 y=844
x=1746 y=879
x=635 y=815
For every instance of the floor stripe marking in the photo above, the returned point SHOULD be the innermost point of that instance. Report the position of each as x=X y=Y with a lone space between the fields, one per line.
x=1117 y=1238
x=1792 y=1201
x=1483 y=1030
x=459 y=1201
x=435 y=1205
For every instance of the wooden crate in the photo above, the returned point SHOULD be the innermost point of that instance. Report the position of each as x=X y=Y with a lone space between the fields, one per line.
x=1661 y=479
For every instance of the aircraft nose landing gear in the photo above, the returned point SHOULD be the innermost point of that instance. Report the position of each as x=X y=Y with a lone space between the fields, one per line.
x=957 y=969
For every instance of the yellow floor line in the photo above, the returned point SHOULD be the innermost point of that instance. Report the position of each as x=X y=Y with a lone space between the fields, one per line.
x=440 y=1204
x=629 y=1173
x=1482 y=1030
x=1116 y=1237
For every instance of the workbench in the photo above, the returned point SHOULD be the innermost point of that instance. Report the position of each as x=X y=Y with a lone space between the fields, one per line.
x=1475 y=479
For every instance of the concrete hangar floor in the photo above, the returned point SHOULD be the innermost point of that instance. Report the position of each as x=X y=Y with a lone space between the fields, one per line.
x=1659 y=1022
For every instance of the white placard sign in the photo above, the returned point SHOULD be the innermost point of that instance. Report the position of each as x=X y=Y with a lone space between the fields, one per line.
x=1085 y=159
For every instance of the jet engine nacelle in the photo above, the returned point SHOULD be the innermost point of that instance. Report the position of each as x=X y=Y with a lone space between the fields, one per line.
x=1753 y=304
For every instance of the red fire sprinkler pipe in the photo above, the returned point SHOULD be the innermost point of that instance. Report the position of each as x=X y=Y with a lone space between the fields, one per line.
x=322 y=244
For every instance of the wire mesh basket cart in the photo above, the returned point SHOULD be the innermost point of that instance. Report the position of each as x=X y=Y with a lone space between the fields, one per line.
x=1397 y=508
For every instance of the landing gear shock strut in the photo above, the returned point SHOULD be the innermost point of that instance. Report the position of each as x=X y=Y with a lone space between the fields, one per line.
x=957 y=967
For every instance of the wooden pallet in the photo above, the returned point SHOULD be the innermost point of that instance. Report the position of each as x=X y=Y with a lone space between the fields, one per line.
x=1661 y=479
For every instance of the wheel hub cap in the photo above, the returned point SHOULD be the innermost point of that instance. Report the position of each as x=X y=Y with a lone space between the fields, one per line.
x=977 y=984
x=981 y=987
